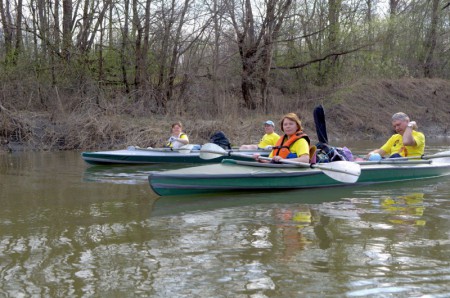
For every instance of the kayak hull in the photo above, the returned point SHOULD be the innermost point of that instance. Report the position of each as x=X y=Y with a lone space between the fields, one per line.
x=250 y=176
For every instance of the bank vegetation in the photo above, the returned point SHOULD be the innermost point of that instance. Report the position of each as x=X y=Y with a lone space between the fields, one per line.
x=104 y=74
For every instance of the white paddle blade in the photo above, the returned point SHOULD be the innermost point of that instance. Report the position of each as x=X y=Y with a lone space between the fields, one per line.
x=185 y=149
x=437 y=155
x=343 y=171
x=211 y=151
x=441 y=160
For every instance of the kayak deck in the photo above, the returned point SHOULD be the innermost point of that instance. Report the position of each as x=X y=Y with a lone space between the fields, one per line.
x=157 y=155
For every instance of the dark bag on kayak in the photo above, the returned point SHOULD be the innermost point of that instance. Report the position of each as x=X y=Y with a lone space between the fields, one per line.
x=327 y=153
x=220 y=139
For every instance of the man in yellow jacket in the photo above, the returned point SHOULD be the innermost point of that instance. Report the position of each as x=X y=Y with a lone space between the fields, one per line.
x=406 y=142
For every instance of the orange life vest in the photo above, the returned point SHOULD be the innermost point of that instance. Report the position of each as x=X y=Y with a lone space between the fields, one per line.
x=282 y=148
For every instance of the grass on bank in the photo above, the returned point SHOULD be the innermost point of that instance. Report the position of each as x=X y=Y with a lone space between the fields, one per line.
x=361 y=110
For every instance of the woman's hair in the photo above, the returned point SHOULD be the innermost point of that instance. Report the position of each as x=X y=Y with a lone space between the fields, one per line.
x=400 y=116
x=292 y=117
x=177 y=123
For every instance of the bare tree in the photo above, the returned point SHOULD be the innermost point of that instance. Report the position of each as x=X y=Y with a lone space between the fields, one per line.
x=5 y=14
x=390 y=34
x=430 y=42
x=19 y=42
x=271 y=29
x=124 y=46
x=67 y=28
x=255 y=49
x=142 y=41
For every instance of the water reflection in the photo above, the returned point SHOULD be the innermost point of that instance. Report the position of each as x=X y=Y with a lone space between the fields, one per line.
x=124 y=174
x=406 y=209
x=65 y=234
x=293 y=224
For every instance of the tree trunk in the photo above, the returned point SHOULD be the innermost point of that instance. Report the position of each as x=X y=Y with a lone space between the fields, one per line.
x=123 y=50
x=430 y=42
x=5 y=14
x=334 y=8
x=272 y=26
x=67 y=29
x=175 y=53
x=19 y=42
x=43 y=30
x=370 y=36
x=168 y=22
x=145 y=44
x=216 y=57
x=389 y=42
x=138 y=48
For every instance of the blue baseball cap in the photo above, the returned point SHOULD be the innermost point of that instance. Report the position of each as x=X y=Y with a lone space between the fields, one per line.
x=270 y=122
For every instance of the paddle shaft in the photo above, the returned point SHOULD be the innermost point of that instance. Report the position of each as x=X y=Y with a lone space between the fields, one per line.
x=323 y=167
x=437 y=155
x=343 y=171
x=182 y=149
x=426 y=157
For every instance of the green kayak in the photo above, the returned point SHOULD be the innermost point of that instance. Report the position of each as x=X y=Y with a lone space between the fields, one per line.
x=134 y=155
x=233 y=175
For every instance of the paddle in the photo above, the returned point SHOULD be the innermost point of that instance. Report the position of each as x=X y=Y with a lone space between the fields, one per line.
x=437 y=155
x=321 y=127
x=409 y=158
x=343 y=171
x=183 y=149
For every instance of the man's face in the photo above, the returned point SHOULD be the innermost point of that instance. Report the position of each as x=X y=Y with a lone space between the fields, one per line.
x=268 y=128
x=399 y=126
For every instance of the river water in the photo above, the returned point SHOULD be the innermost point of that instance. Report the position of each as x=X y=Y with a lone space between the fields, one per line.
x=72 y=230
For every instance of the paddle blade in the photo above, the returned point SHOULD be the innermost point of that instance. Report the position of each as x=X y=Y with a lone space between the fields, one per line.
x=321 y=127
x=343 y=171
x=185 y=149
x=211 y=151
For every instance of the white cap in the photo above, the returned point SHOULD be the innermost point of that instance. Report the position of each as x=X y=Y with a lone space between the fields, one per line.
x=270 y=122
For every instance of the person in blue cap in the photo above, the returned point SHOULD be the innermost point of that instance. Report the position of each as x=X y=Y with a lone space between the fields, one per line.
x=269 y=139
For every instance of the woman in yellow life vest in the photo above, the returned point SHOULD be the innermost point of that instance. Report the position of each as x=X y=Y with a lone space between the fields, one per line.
x=406 y=142
x=293 y=145
x=177 y=138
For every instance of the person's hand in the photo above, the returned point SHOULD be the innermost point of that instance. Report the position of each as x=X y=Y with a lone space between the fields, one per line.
x=268 y=147
x=256 y=156
x=277 y=159
x=412 y=124
x=172 y=139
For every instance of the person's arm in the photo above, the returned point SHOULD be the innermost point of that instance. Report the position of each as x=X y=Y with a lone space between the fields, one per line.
x=299 y=148
x=408 y=139
x=303 y=158
x=249 y=147
x=385 y=149
x=183 y=139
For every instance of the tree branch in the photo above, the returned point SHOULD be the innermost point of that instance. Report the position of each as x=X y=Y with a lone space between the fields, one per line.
x=304 y=64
